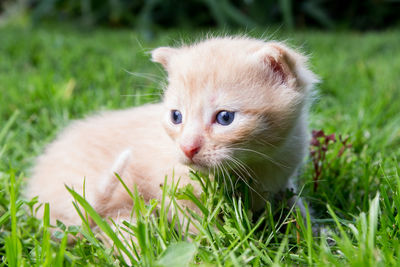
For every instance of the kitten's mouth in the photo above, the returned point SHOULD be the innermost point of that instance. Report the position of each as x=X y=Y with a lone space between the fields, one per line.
x=201 y=168
x=197 y=165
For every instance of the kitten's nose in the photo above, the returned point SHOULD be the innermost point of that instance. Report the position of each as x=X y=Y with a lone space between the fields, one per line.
x=190 y=150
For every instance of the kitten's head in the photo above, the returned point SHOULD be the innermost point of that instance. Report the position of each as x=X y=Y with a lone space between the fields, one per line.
x=225 y=93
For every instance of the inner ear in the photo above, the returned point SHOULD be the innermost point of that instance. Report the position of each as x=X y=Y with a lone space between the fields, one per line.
x=278 y=68
x=282 y=64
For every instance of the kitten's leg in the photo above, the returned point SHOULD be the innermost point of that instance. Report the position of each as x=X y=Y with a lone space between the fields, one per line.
x=296 y=200
x=106 y=205
x=110 y=181
x=106 y=189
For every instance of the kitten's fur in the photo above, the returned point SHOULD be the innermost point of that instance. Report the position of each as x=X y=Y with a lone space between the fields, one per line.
x=266 y=84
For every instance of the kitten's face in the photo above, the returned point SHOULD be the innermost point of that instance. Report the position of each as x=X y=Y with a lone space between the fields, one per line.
x=226 y=95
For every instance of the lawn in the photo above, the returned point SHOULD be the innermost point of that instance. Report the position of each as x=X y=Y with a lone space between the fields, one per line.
x=50 y=75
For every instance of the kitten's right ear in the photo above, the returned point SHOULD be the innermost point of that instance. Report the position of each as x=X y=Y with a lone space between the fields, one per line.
x=287 y=65
x=163 y=55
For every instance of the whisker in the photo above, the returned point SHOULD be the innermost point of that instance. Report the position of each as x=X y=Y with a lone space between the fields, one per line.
x=248 y=185
x=230 y=178
x=140 y=95
x=214 y=172
x=246 y=168
x=239 y=168
x=148 y=76
x=264 y=142
x=223 y=176
x=225 y=172
x=262 y=155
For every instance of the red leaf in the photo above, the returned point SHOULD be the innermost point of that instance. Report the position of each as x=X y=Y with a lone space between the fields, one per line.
x=331 y=137
x=317 y=134
x=315 y=142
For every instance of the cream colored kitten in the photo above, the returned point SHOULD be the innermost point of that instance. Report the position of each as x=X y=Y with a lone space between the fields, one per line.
x=237 y=102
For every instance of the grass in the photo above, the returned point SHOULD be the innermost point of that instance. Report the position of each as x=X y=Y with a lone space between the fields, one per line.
x=50 y=75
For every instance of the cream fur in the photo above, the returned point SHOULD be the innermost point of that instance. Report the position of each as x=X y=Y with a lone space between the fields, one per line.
x=266 y=84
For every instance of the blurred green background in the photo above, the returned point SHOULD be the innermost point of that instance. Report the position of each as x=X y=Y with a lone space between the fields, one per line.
x=150 y=15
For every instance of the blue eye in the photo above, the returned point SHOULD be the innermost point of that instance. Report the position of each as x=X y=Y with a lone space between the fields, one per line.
x=225 y=117
x=176 y=116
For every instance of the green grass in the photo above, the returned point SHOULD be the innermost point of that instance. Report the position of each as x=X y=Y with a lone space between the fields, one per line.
x=50 y=75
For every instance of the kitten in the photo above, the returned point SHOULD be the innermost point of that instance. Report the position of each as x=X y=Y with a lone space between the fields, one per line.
x=235 y=103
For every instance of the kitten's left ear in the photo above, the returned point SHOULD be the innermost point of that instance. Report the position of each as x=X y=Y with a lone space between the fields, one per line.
x=287 y=65
x=163 y=55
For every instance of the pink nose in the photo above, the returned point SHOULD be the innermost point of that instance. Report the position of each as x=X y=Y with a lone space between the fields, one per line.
x=191 y=150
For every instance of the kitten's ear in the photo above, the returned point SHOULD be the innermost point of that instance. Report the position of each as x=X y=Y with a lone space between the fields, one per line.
x=163 y=55
x=287 y=66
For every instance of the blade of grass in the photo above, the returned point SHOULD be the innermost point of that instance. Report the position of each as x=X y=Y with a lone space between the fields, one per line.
x=61 y=251
x=103 y=225
x=8 y=125
x=13 y=244
x=6 y=216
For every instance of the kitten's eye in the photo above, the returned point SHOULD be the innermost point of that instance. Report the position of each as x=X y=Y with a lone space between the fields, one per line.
x=176 y=116
x=225 y=117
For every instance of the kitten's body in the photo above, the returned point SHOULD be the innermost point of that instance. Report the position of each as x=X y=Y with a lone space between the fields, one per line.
x=90 y=149
x=266 y=86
